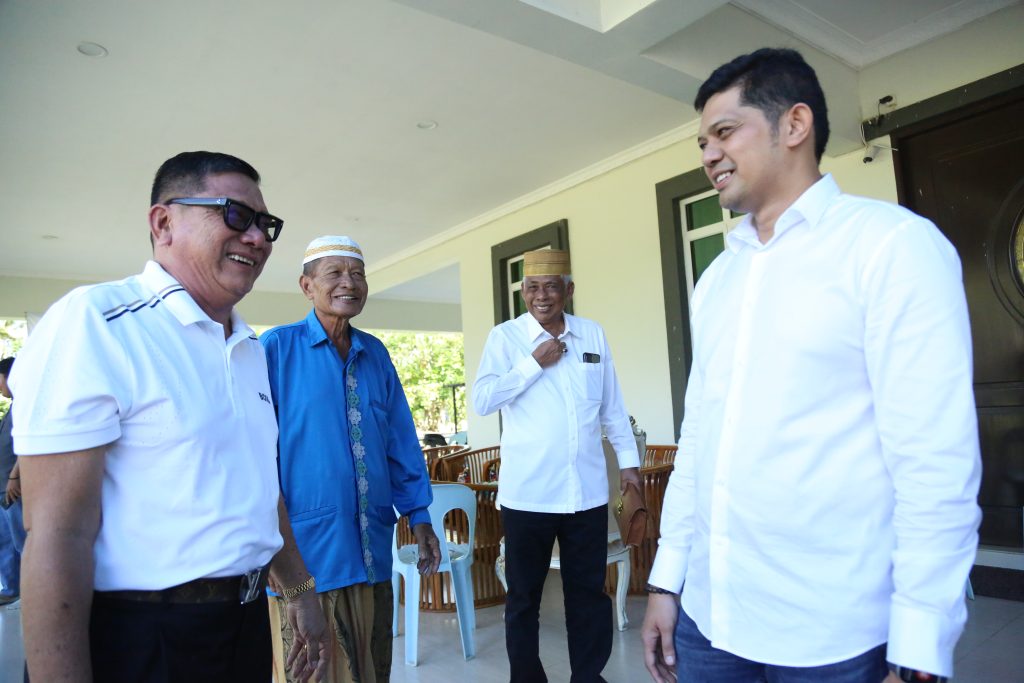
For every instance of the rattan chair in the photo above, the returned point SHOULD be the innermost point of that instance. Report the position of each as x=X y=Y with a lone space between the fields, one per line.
x=431 y=455
x=491 y=470
x=659 y=455
x=449 y=467
x=619 y=554
x=655 y=481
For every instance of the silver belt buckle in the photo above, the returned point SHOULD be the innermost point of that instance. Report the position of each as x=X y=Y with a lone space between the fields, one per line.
x=252 y=583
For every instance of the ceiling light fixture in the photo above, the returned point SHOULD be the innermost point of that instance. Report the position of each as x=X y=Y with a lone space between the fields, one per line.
x=427 y=124
x=92 y=49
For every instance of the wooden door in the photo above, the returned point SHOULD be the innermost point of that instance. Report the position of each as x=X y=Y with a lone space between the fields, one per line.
x=965 y=171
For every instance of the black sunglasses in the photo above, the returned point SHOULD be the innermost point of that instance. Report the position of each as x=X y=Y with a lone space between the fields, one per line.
x=237 y=215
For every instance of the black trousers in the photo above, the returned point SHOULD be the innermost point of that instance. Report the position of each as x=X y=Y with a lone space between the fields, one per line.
x=583 y=551
x=146 y=642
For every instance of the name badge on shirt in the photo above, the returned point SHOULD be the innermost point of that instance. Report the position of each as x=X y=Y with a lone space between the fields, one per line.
x=591 y=358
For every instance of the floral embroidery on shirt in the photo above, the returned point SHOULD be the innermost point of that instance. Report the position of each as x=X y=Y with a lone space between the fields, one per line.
x=359 y=452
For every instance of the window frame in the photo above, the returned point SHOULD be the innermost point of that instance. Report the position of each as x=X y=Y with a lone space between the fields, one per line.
x=723 y=227
x=554 y=235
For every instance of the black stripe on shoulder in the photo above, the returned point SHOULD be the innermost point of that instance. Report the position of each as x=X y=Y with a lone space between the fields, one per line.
x=139 y=304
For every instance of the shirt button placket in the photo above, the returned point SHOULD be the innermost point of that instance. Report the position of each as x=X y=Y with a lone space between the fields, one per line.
x=719 y=533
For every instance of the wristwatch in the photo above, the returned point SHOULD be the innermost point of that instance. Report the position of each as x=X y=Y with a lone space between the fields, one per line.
x=913 y=675
x=295 y=591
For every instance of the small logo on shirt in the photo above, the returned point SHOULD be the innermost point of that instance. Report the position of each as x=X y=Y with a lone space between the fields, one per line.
x=264 y=397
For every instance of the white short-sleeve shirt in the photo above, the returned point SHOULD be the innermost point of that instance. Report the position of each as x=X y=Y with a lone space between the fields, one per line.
x=190 y=486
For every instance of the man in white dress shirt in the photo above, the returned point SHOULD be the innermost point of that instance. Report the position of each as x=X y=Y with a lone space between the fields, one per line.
x=822 y=518
x=551 y=375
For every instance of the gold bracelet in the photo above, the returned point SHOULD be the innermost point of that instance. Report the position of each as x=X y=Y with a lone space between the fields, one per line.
x=307 y=585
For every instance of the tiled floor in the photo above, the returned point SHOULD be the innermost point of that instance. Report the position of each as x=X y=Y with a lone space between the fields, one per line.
x=990 y=651
x=12 y=656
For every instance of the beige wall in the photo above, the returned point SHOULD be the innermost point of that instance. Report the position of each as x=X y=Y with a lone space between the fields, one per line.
x=274 y=308
x=613 y=235
x=613 y=229
x=982 y=48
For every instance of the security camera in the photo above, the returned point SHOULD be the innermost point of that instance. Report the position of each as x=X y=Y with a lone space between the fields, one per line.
x=871 y=152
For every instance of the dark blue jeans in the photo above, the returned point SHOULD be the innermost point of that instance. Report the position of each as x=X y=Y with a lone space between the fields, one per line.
x=699 y=662
x=16 y=523
x=12 y=540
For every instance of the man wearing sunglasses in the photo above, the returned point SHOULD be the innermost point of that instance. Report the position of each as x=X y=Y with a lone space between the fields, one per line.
x=149 y=438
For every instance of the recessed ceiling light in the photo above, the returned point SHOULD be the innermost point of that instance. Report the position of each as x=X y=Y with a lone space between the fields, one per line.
x=427 y=124
x=92 y=49
x=50 y=237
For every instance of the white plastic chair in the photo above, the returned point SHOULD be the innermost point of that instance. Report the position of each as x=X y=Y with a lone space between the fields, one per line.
x=456 y=558
x=618 y=554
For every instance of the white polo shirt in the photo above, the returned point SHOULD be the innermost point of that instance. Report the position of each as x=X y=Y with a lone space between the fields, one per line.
x=190 y=487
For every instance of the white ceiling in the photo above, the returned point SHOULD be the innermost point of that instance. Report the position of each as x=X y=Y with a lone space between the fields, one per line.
x=440 y=286
x=323 y=97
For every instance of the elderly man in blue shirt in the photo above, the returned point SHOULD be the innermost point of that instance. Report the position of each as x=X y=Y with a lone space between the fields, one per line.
x=348 y=457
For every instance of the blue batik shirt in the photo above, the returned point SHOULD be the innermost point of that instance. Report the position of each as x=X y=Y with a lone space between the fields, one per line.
x=348 y=454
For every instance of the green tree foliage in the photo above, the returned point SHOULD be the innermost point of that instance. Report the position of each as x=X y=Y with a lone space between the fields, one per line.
x=428 y=364
x=12 y=335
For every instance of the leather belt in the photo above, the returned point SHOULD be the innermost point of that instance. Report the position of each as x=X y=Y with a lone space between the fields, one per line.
x=244 y=588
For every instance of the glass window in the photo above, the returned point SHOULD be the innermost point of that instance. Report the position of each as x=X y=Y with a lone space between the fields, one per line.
x=703 y=251
x=515 y=270
x=508 y=269
x=703 y=212
x=515 y=283
x=704 y=226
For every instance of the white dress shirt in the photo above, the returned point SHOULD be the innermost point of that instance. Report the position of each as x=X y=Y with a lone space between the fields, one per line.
x=552 y=459
x=824 y=497
x=190 y=484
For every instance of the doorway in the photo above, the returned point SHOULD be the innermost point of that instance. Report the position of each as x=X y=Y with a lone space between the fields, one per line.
x=965 y=171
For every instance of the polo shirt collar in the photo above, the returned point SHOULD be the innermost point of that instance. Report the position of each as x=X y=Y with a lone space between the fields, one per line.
x=180 y=303
x=314 y=330
x=808 y=208
x=318 y=335
x=534 y=330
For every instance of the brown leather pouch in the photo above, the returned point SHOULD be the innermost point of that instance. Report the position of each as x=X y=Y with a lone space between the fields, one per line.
x=631 y=513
